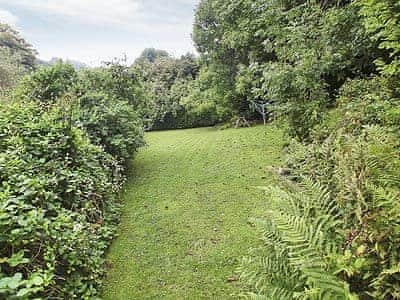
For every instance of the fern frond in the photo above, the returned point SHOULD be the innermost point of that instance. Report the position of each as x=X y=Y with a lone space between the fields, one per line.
x=299 y=234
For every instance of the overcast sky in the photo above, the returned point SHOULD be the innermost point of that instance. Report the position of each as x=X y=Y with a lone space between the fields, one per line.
x=92 y=31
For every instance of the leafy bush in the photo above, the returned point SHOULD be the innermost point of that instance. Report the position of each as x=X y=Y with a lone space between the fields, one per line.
x=336 y=220
x=382 y=20
x=62 y=153
x=102 y=101
x=58 y=207
x=367 y=102
x=298 y=93
x=175 y=91
x=117 y=81
x=47 y=84
x=355 y=157
x=112 y=124
x=295 y=53
x=343 y=228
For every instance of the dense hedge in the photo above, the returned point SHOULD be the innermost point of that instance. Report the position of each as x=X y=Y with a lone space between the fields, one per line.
x=110 y=123
x=343 y=228
x=62 y=159
x=331 y=230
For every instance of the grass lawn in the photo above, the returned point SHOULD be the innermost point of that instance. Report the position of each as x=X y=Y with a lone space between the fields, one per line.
x=185 y=224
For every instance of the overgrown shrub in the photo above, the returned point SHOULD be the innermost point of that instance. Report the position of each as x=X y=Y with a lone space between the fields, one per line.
x=47 y=84
x=115 y=80
x=62 y=153
x=382 y=20
x=100 y=101
x=295 y=53
x=368 y=102
x=167 y=81
x=111 y=123
x=354 y=155
x=350 y=224
x=351 y=160
x=58 y=205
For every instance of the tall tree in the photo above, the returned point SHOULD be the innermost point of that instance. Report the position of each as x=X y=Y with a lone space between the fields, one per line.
x=296 y=53
x=12 y=40
x=10 y=69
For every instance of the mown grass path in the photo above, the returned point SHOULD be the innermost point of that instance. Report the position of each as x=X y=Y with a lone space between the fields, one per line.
x=185 y=224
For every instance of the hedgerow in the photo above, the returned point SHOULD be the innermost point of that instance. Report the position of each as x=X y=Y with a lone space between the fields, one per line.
x=331 y=230
x=110 y=123
x=62 y=159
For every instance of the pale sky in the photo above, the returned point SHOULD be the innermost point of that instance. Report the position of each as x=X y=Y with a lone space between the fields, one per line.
x=92 y=31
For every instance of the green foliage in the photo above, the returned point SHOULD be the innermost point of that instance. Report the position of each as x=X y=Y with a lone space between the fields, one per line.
x=47 y=84
x=11 y=40
x=116 y=80
x=354 y=156
x=300 y=237
x=64 y=144
x=368 y=102
x=319 y=72
x=207 y=103
x=10 y=70
x=352 y=221
x=16 y=58
x=171 y=88
x=297 y=54
x=159 y=75
x=361 y=171
x=110 y=123
x=297 y=92
x=382 y=20
x=58 y=208
x=103 y=101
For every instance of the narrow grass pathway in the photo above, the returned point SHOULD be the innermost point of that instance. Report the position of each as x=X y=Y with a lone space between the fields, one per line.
x=185 y=224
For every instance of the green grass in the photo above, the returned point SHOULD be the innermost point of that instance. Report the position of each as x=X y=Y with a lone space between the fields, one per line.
x=185 y=223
